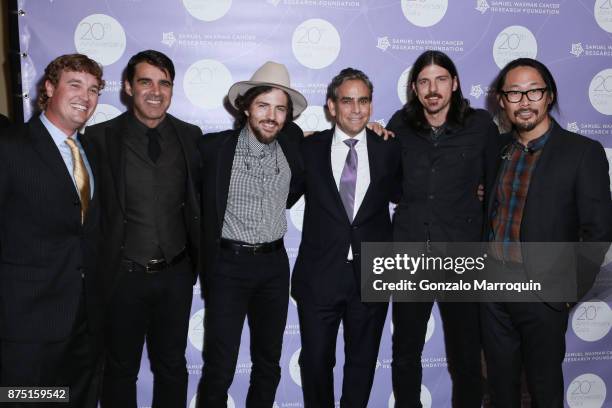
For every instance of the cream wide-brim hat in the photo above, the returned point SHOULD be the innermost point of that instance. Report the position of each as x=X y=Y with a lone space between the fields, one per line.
x=269 y=74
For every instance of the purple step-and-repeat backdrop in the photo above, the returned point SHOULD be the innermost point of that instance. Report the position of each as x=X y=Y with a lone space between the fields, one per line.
x=214 y=43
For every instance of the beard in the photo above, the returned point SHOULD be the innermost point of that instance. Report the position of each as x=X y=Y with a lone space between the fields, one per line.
x=529 y=125
x=264 y=137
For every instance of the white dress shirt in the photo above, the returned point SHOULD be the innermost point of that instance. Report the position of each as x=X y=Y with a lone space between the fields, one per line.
x=339 y=151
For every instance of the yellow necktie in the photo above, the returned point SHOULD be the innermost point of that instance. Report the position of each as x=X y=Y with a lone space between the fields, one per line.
x=80 y=176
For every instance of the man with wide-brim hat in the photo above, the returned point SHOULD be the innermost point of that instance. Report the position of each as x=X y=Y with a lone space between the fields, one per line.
x=247 y=177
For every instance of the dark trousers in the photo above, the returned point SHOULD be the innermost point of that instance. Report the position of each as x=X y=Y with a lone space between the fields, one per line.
x=74 y=362
x=529 y=336
x=362 y=323
x=461 y=323
x=154 y=306
x=255 y=287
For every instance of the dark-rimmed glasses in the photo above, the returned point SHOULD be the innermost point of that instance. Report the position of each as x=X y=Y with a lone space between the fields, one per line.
x=533 y=95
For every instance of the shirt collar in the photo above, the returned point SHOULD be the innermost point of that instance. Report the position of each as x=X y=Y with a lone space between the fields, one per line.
x=58 y=136
x=255 y=147
x=340 y=136
x=538 y=143
x=141 y=128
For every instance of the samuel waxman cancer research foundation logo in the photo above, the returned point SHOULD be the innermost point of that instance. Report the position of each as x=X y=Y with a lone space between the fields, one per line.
x=577 y=49
x=383 y=43
x=168 y=39
x=476 y=91
x=482 y=6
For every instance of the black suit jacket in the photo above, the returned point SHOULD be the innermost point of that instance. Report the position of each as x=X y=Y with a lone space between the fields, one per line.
x=46 y=256
x=109 y=150
x=327 y=232
x=568 y=201
x=217 y=150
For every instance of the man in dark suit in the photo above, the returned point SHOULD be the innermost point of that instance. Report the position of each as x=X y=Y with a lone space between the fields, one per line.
x=148 y=163
x=350 y=176
x=49 y=223
x=552 y=186
x=247 y=175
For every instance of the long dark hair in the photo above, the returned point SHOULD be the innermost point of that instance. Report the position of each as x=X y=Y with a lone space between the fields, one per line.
x=459 y=106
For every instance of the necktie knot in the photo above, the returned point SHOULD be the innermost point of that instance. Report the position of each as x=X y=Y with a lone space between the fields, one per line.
x=351 y=143
x=72 y=145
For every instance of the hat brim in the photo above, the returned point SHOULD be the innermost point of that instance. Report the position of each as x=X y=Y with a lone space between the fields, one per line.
x=240 y=88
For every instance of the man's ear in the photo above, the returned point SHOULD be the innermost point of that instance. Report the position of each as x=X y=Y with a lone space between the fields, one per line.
x=551 y=99
x=331 y=107
x=49 y=88
x=128 y=87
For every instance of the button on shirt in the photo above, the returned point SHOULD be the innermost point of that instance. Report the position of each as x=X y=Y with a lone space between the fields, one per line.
x=516 y=171
x=59 y=138
x=339 y=151
x=258 y=191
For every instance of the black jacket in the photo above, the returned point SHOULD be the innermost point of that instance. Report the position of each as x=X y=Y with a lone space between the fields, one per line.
x=46 y=256
x=440 y=180
x=109 y=152
x=327 y=232
x=568 y=202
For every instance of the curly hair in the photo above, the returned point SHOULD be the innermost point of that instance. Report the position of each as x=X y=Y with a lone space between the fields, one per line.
x=70 y=63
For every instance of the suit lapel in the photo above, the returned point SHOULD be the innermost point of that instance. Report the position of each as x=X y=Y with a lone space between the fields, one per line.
x=491 y=193
x=191 y=163
x=225 y=161
x=47 y=150
x=291 y=153
x=93 y=165
x=538 y=176
x=328 y=175
x=116 y=156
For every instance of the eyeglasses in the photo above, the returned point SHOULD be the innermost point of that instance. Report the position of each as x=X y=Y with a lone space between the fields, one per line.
x=533 y=95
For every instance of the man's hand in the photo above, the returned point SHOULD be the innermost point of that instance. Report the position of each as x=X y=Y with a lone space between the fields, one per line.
x=380 y=131
x=480 y=192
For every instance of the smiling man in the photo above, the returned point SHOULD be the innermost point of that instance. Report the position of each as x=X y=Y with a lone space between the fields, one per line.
x=247 y=177
x=49 y=223
x=552 y=186
x=150 y=227
x=350 y=176
x=448 y=149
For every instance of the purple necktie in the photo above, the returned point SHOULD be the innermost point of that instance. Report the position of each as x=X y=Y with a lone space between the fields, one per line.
x=348 y=179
